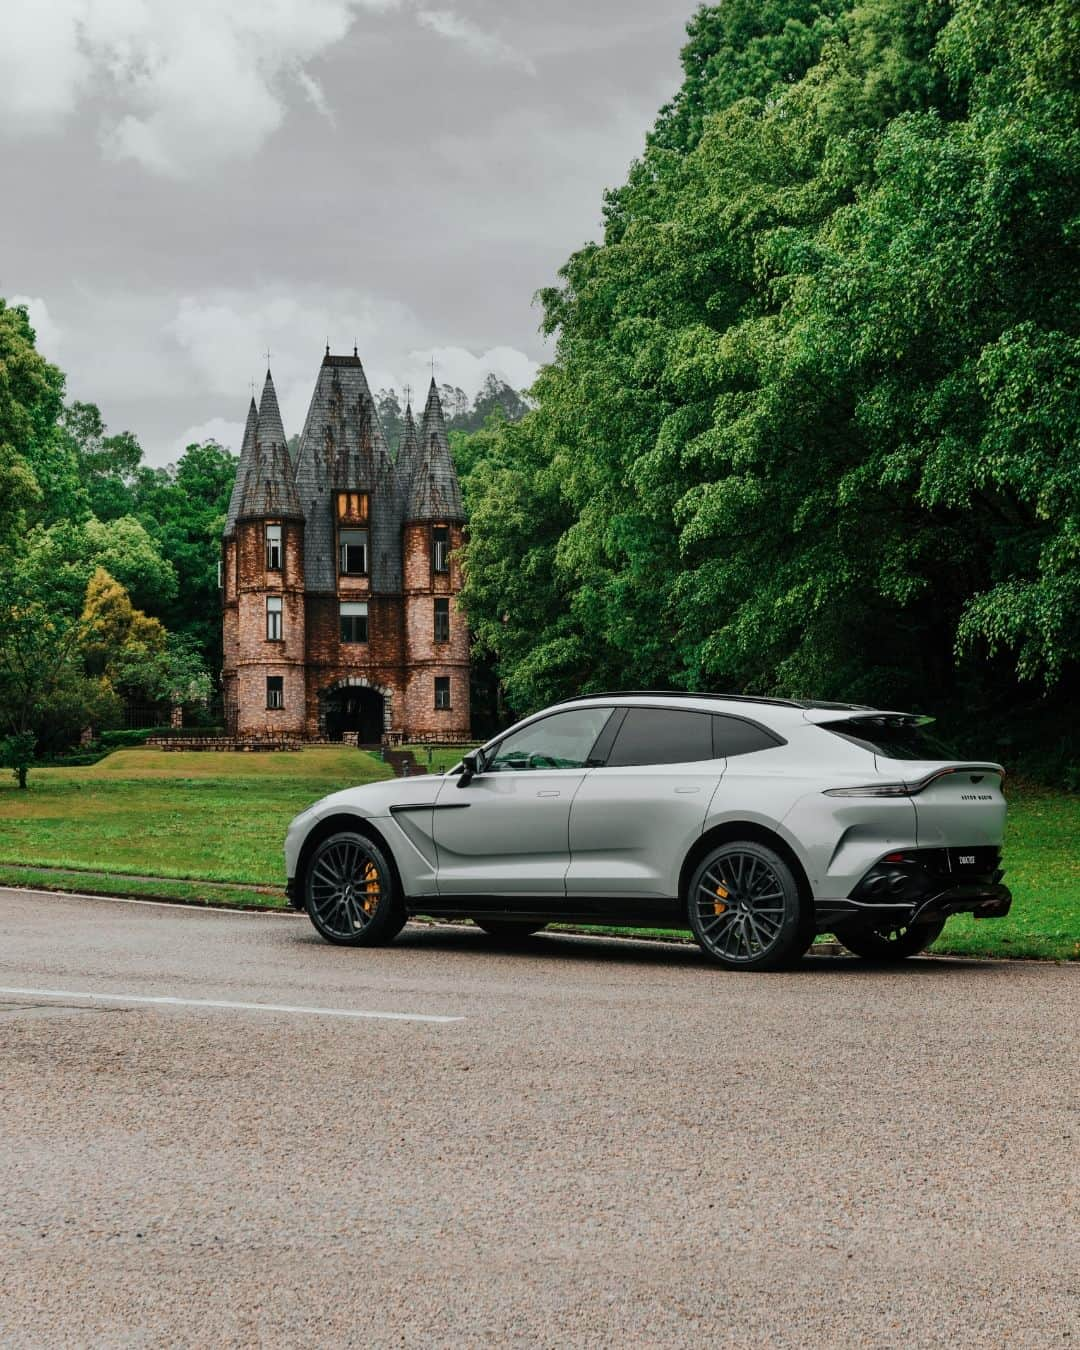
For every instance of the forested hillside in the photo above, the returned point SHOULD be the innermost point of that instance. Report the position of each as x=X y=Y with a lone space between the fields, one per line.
x=811 y=426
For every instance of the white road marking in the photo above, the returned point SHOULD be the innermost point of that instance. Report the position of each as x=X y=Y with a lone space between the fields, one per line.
x=171 y=1002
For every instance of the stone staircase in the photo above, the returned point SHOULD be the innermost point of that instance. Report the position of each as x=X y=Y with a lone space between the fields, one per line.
x=403 y=763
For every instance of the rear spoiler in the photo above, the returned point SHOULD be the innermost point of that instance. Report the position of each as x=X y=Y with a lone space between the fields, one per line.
x=866 y=715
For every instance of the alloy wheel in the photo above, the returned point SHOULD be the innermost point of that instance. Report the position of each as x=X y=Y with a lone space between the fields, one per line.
x=740 y=905
x=344 y=887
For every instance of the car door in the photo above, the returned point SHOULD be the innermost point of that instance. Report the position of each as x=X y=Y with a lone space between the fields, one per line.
x=634 y=819
x=506 y=833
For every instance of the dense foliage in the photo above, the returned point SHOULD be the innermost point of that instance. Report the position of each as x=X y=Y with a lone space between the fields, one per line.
x=812 y=422
x=89 y=532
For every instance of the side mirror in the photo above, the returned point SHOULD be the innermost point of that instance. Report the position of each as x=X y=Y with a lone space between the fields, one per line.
x=471 y=765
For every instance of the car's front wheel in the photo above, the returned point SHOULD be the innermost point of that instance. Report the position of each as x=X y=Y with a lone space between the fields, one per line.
x=745 y=908
x=889 y=944
x=351 y=893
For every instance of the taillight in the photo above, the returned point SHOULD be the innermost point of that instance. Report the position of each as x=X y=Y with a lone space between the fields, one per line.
x=872 y=790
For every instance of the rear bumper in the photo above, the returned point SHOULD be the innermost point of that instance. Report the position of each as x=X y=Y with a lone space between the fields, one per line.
x=983 y=900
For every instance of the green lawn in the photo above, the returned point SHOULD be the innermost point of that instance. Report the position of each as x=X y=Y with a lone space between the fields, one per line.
x=437 y=758
x=210 y=815
x=187 y=817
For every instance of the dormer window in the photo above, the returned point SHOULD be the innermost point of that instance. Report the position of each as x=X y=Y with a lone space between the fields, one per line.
x=273 y=548
x=440 y=548
x=352 y=553
x=352 y=507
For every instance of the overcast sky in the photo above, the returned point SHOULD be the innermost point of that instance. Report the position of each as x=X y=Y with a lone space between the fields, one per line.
x=189 y=182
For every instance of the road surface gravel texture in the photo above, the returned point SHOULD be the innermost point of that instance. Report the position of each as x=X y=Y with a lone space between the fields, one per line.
x=616 y=1145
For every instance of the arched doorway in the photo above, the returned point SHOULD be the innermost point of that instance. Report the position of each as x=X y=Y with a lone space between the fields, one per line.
x=353 y=710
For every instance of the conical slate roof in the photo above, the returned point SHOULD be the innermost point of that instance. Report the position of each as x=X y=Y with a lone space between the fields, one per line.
x=247 y=450
x=269 y=487
x=408 y=446
x=342 y=448
x=434 y=491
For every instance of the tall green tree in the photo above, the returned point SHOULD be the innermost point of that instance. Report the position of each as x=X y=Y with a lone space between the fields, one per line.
x=31 y=396
x=183 y=509
x=812 y=422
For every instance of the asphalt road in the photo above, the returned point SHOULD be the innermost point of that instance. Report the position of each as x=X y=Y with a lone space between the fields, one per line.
x=614 y=1145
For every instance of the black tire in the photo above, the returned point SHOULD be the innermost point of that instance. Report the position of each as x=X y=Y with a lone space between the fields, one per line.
x=509 y=928
x=745 y=909
x=351 y=891
x=889 y=944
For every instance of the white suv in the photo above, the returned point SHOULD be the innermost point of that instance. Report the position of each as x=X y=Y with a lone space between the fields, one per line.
x=756 y=823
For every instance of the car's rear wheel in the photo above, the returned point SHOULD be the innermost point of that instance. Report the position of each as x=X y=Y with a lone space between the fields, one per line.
x=885 y=943
x=509 y=928
x=351 y=892
x=745 y=908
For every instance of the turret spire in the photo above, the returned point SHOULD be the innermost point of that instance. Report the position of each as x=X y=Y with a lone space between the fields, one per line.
x=434 y=491
x=268 y=488
x=247 y=451
x=270 y=430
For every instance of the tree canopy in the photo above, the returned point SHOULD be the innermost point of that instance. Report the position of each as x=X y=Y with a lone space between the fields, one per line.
x=811 y=424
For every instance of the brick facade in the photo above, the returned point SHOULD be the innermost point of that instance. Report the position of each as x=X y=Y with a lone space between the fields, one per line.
x=383 y=687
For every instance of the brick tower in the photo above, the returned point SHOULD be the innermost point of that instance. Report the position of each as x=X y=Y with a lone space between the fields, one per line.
x=436 y=637
x=264 y=585
x=340 y=589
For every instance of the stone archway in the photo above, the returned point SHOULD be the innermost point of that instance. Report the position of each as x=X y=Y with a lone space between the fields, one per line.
x=355 y=707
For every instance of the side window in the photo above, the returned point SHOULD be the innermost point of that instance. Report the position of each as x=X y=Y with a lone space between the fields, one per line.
x=273 y=618
x=442 y=619
x=440 y=549
x=275 y=691
x=736 y=737
x=273 y=548
x=561 y=741
x=442 y=691
x=354 y=621
x=662 y=736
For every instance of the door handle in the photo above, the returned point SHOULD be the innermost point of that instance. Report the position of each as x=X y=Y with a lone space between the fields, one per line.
x=688 y=789
x=548 y=792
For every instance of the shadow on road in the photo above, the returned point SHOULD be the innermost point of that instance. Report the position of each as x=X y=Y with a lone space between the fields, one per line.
x=574 y=947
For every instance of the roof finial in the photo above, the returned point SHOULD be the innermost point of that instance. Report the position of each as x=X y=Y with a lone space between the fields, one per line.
x=355 y=352
x=433 y=367
x=408 y=394
x=328 y=346
x=268 y=360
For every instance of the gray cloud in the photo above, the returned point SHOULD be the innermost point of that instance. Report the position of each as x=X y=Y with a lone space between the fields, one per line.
x=189 y=184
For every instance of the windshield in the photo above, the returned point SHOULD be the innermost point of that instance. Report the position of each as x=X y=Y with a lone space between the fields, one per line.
x=892 y=737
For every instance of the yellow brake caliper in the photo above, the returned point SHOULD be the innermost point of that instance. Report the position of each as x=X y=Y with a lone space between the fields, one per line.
x=719 y=907
x=371 y=888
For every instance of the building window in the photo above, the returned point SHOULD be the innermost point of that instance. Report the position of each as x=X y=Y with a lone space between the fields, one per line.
x=353 y=506
x=354 y=622
x=273 y=618
x=442 y=619
x=442 y=691
x=352 y=553
x=220 y=574
x=440 y=548
x=275 y=691
x=273 y=548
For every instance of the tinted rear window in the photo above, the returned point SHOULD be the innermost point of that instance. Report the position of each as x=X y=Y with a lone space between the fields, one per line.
x=892 y=738
x=662 y=736
x=736 y=737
